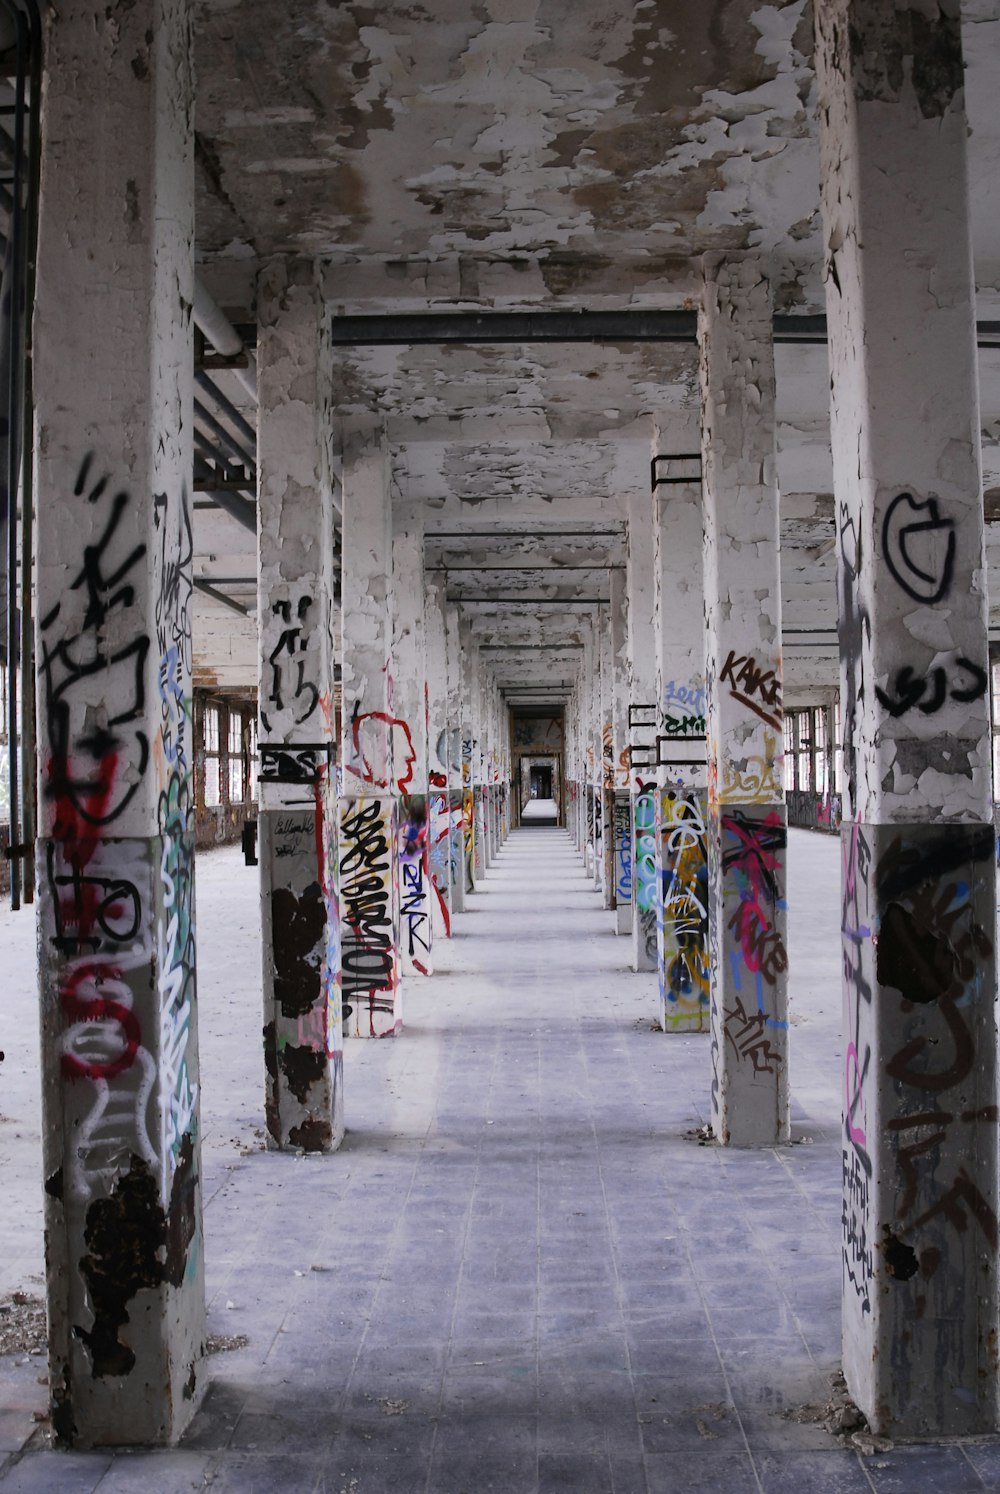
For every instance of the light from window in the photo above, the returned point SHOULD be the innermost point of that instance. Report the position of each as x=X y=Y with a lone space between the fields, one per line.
x=213 y=794
x=235 y=757
x=789 y=726
x=252 y=759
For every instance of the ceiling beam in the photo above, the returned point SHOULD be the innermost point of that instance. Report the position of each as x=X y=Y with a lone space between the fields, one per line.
x=633 y=325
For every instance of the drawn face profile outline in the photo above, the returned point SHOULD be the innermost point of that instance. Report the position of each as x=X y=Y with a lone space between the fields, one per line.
x=402 y=749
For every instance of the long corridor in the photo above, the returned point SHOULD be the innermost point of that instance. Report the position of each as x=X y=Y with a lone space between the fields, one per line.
x=524 y=1271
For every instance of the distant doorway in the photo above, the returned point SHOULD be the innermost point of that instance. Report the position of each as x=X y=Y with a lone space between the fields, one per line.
x=541 y=783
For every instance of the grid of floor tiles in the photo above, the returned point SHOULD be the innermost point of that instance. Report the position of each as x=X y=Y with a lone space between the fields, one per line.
x=523 y=1272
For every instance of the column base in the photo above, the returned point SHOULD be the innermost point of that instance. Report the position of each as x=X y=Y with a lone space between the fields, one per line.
x=920 y=1239
x=682 y=910
x=368 y=884
x=646 y=895
x=303 y=1048
x=749 y=999
x=121 y=1136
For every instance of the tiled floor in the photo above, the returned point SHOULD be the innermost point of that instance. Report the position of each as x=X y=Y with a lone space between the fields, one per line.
x=522 y=1273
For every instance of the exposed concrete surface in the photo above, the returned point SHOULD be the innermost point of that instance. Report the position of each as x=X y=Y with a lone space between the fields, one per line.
x=522 y=1272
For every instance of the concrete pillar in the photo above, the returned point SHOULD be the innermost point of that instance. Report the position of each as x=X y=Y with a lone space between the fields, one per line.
x=374 y=752
x=682 y=800
x=622 y=808
x=597 y=738
x=587 y=670
x=467 y=662
x=580 y=766
x=438 y=726
x=486 y=720
x=920 y=1127
x=115 y=855
x=409 y=677
x=456 y=783
x=303 y=1046
x=642 y=719
x=747 y=825
x=478 y=758
x=607 y=761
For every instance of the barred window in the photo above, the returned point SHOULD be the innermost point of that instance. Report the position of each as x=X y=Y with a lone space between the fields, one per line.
x=213 y=787
x=235 y=757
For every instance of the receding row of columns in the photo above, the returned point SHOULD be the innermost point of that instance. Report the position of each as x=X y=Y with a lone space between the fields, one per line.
x=370 y=842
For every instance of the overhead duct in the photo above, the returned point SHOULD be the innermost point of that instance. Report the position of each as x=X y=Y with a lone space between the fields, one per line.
x=217 y=329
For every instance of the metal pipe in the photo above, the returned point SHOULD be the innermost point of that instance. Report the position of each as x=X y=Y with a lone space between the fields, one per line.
x=223 y=336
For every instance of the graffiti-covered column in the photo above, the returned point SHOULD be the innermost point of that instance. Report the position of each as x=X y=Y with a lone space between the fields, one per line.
x=470 y=749
x=682 y=800
x=607 y=760
x=478 y=758
x=453 y=745
x=438 y=725
x=747 y=824
x=409 y=674
x=597 y=738
x=113 y=388
x=622 y=807
x=486 y=719
x=303 y=1050
x=374 y=751
x=920 y=1124
x=642 y=725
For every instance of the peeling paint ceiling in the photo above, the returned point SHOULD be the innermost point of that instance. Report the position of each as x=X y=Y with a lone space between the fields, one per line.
x=543 y=154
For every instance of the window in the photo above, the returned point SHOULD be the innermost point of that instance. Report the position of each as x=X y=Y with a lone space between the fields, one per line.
x=211 y=733
x=822 y=754
x=235 y=757
x=252 y=759
x=789 y=728
x=803 y=720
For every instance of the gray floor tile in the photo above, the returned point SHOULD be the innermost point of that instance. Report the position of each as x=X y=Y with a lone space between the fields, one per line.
x=833 y=1472
x=931 y=1470
x=43 y=1472
x=574 y=1473
x=701 y=1473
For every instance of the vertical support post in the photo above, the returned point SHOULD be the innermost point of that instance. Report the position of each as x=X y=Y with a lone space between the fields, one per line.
x=607 y=761
x=456 y=782
x=920 y=1126
x=642 y=720
x=303 y=1047
x=374 y=751
x=470 y=829
x=120 y=1121
x=409 y=674
x=622 y=809
x=438 y=727
x=682 y=801
x=747 y=823
x=478 y=755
